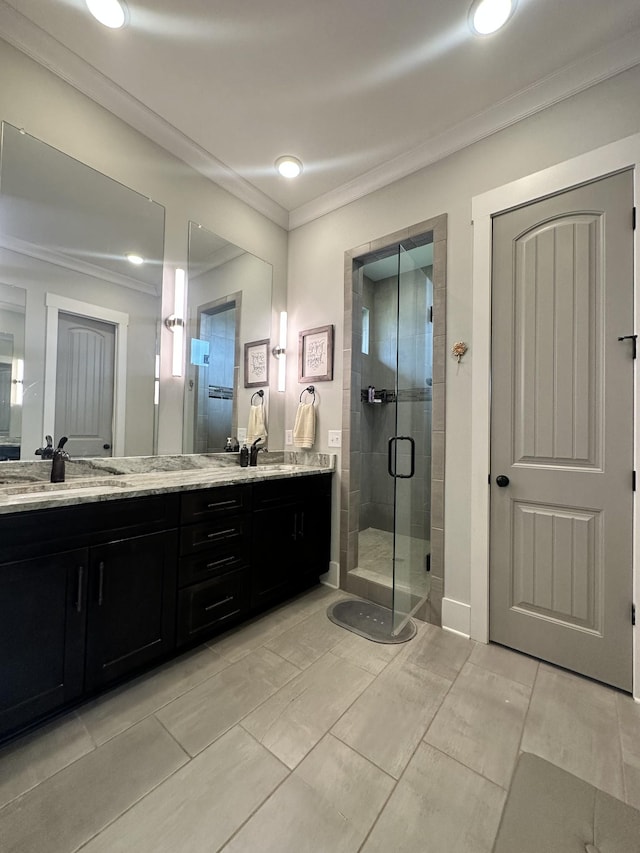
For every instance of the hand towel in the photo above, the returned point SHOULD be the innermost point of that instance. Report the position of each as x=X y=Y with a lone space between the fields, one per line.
x=257 y=427
x=304 y=428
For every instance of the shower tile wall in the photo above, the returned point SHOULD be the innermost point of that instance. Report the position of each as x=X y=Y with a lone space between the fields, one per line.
x=215 y=413
x=414 y=384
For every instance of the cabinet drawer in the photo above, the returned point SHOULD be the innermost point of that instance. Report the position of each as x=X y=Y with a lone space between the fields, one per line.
x=204 y=606
x=226 y=532
x=211 y=503
x=272 y=493
x=211 y=563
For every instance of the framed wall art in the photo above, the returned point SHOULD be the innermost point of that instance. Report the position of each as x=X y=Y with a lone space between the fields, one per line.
x=315 y=355
x=256 y=364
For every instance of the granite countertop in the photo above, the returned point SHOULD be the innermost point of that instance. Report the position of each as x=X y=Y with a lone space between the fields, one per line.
x=25 y=486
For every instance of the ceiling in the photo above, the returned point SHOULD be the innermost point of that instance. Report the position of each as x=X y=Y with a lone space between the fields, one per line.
x=363 y=92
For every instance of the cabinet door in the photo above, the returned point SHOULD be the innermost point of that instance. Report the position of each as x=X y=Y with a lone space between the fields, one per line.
x=273 y=553
x=313 y=533
x=131 y=609
x=42 y=632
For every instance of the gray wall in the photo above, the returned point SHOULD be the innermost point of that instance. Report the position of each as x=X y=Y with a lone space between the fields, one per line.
x=600 y=115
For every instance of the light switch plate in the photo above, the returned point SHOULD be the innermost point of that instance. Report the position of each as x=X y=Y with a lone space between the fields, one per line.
x=288 y=436
x=242 y=435
x=335 y=438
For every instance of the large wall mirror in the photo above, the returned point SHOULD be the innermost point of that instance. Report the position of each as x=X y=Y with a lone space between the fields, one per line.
x=81 y=260
x=228 y=349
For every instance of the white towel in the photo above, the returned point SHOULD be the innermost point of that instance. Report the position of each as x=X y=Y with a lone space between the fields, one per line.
x=304 y=429
x=257 y=427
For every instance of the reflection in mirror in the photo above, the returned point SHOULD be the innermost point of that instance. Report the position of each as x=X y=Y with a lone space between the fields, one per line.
x=228 y=306
x=12 y=305
x=88 y=251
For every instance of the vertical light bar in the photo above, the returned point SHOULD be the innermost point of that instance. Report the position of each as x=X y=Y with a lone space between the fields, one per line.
x=282 y=360
x=178 y=329
x=19 y=382
x=156 y=382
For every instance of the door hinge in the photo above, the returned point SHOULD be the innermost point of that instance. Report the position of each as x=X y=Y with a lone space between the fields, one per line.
x=489 y=479
x=633 y=614
x=633 y=219
x=633 y=481
x=431 y=314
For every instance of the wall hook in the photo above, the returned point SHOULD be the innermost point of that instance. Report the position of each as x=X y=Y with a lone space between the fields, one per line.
x=459 y=349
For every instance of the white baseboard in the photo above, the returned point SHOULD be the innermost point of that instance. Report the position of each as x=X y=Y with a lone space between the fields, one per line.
x=330 y=578
x=456 y=616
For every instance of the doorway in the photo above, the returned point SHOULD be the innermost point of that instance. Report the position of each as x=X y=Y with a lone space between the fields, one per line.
x=392 y=552
x=471 y=617
x=85 y=385
x=562 y=430
x=214 y=361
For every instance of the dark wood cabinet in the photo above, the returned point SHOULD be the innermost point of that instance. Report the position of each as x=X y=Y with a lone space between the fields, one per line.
x=131 y=606
x=90 y=594
x=93 y=600
x=42 y=635
x=213 y=575
x=291 y=536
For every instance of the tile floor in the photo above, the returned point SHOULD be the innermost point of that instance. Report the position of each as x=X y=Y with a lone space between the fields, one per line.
x=291 y=734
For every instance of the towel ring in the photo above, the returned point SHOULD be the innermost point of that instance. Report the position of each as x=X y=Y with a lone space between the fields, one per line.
x=310 y=390
x=260 y=394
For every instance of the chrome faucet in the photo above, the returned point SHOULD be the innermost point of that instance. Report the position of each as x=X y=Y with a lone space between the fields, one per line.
x=59 y=457
x=253 y=452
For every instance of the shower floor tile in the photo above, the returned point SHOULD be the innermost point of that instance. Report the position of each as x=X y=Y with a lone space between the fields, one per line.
x=375 y=560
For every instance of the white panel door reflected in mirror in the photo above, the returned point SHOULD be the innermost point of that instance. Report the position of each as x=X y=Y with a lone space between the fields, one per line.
x=68 y=235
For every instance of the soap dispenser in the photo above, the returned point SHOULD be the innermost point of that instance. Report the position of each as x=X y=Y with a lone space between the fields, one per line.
x=244 y=456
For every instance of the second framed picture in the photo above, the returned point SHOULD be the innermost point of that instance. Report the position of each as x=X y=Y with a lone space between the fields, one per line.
x=256 y=364
x=315 y=355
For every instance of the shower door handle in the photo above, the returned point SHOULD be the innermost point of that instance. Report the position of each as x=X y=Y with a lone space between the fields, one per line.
x=392 y=473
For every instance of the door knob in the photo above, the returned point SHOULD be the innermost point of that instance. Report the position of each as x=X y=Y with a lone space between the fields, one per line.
x=502 y=480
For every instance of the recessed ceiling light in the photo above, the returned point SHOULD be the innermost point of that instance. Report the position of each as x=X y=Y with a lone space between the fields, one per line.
x=135 y=259
x=111 y=13
x=288 y=166
x=487 y=16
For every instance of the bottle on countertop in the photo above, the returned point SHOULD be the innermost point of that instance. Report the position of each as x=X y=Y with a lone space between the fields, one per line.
x=244 y=456
x=229 y=445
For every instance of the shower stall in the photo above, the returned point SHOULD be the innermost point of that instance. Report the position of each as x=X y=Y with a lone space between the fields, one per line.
x=390 y=472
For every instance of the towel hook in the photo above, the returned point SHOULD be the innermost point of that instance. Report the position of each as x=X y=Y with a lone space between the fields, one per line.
x=309 y=390
x=260 y=394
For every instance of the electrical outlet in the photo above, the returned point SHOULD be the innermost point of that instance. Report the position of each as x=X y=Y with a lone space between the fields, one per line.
x=242 y=435
x=288 y=436
x=335 y=438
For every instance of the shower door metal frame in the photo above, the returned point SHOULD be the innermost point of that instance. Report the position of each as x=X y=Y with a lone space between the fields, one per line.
x=351 y=458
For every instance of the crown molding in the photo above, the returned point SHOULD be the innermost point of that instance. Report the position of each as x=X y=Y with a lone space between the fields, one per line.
x=570 y=80
x=67 y=262
x=47 y=51
x=27 y=37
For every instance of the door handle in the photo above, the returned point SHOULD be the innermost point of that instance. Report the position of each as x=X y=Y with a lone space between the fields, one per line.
x=502 y=480
x=79 y=589
x=100 y=583
x=633 y=338
x=392 y=473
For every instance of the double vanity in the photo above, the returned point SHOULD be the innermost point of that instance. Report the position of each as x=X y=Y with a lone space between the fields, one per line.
x=132 y=560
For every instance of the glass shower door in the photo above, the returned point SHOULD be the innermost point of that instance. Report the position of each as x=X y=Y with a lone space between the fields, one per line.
x=410 y=447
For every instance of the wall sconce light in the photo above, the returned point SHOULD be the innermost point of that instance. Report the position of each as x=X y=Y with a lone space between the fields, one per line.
x=280 y=352
x=18 y=383
x=175 y=322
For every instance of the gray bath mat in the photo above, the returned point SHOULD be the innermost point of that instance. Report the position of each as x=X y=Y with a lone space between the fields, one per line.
x=549 y=810
x=369 y=620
